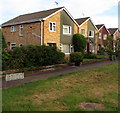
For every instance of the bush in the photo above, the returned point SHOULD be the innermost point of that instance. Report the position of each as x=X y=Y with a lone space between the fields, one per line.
x=31 y=56
x=76 y=57
x=90 y=56
x=79 y=43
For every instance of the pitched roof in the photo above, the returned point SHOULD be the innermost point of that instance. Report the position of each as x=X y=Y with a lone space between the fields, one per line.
x=32 y=16
x=99 y=26
x=81 y=20
x=112 y=30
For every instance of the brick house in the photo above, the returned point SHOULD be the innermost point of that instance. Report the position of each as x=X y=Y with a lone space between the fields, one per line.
x=103 y=34
x=90 y=31
x=54 y=27
x=115 y=34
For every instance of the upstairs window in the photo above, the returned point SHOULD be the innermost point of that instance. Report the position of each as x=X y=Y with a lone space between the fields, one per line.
x=105 y=37
x=67 y=30
x=100 y=35
x=83 y=31
x=91 y=33
x=21 y=30
x=52 y=26
x=115 y=37
x=13 y=28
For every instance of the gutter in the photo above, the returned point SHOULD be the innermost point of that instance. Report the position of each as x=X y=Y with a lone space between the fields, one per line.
x=17 y=23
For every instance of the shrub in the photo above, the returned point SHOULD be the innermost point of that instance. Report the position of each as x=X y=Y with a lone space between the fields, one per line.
x=76 y=57
x=79 y=43
x=31 y=56
x=90 y=56
x=4 y=45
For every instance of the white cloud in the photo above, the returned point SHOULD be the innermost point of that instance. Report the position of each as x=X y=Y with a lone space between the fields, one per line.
x=109 y=21
x=12 y=8
x=91 y=7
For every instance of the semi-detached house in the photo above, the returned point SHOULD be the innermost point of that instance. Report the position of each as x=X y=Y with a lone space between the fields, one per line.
x=90 y=31
x=54 y=27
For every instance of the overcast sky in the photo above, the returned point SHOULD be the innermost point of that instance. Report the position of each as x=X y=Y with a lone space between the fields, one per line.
x=101 y=11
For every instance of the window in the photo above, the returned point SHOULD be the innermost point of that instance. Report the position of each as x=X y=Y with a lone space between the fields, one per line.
x=60 y=47
x=20 y=45
x=115 y=37
x=100 y=35
x=51 y=44
x=12 y=46
x=71 y=48
x=105 y=37
x=67 y=30
x=91 y=34
x=52 y=26
x=21 y=30
x=13 y=29
x=83 y=31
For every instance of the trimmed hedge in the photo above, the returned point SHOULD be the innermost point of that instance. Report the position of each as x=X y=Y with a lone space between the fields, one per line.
x=90 y=56
x=79 y=42
x=76 y=57
x=31 y=56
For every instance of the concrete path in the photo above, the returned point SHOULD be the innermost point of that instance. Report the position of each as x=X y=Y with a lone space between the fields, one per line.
x=47 y=74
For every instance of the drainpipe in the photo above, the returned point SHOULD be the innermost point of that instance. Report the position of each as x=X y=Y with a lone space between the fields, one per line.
x=41 y=37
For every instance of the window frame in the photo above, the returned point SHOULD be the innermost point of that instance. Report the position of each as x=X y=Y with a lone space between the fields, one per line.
x=84 y=31
x=21 y=44
x=105 y=38
x=11 y=46
x=13 y=28
x=52 y=26
x=69 y=30
x=21 y=27
x=92 y=33
x=100 y=35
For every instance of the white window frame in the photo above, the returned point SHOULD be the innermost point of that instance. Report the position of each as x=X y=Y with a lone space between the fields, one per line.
x=21 y=27
x=13 y=28
x=84 y=31
x=100 y=35
x=92 y=33
x=20 y=44
x=105 y=38
x=11 y=45
x=115 y=37
x=69 y=30
x=53 y=25
x=71 y=47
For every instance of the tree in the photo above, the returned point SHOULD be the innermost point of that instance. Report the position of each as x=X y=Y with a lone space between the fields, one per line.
x=79 y=43
x=4 y=45
x=109 y=45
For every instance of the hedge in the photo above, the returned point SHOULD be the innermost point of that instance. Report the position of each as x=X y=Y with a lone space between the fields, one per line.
x=31 y=56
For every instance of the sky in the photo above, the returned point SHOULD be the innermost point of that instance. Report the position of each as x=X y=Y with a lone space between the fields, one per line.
x=101 y=11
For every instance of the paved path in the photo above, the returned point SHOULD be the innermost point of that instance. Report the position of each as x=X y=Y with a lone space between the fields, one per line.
x=44 y=75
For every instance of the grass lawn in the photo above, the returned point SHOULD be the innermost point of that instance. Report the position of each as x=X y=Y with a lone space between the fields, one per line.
x=66 y=92
x=88 y=60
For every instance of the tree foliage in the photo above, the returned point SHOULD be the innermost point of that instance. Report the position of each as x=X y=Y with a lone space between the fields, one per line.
x=79 y=42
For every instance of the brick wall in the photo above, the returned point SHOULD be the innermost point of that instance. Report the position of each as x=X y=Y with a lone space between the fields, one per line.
x=52 y=37
x=27 y=38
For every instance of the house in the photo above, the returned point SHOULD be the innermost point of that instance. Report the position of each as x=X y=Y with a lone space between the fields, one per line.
x=115 y=34
x=90 y=31
x=54 y=27
x=103 y=34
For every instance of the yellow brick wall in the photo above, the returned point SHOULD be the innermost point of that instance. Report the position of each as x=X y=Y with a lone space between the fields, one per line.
x=52 y=37
x=84 y=26
x=75 y=28
x=27 y=38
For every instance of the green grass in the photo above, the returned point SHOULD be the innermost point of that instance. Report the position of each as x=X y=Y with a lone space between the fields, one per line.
x=66 y=92
x=88 y=60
